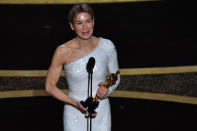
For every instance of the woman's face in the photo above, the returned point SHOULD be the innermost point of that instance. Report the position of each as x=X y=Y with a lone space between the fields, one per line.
x=83 y=25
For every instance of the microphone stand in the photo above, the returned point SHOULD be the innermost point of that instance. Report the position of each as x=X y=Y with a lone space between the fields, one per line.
x=88 y=120
x=91 y=97
x=87 y=103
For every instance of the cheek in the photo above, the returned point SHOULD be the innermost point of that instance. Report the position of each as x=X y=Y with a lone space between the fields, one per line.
x=91 y=25
x=78 y=27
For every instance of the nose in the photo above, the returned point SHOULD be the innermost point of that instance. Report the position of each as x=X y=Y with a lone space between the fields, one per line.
x=84 y=26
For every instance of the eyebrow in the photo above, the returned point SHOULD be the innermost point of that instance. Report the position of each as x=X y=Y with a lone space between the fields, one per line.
x=87 y=19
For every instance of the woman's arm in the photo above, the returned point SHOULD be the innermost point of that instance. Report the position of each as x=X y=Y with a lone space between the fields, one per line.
x=53 y=76
x=112 y=68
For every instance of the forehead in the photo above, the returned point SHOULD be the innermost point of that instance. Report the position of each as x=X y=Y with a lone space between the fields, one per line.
x=82 y=16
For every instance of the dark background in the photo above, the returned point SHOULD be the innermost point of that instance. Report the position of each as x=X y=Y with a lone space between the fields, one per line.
x=45 y=114
x=146 y=34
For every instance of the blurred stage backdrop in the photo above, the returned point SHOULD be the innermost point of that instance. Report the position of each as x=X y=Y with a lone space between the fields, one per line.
x=155 y=41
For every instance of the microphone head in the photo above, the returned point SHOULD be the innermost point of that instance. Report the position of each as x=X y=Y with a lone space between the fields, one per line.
x=90 y=65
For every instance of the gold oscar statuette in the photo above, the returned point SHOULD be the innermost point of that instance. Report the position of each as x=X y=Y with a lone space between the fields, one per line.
x=110 y=81
x=92 y=102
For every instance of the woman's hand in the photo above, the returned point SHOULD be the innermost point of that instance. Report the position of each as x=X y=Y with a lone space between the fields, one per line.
x=84 y=110
x=81 y=107
x=102 y=91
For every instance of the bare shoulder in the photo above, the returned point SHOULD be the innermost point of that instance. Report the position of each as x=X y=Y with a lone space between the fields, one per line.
x=64 y=48
x=64 y=51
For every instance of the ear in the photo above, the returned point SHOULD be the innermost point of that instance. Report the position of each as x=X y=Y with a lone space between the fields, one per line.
x=71 y=26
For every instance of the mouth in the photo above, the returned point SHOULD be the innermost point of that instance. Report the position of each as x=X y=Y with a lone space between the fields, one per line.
x=86 y=33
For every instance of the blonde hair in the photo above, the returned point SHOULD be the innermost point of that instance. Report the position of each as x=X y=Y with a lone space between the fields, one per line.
x=77 y=8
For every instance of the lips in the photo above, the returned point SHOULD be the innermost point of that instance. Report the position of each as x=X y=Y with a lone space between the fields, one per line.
x=85 y=33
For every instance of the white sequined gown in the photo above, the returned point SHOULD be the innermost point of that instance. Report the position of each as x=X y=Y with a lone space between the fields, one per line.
x=77 y=78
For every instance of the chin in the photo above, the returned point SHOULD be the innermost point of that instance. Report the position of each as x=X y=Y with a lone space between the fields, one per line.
x=85 y=37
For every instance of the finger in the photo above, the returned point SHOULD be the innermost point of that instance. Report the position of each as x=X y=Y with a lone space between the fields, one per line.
x=93 y=115
x=102 y=91
x=103 y=87
x=82 y=108
x=100 y=95
x=101 y=84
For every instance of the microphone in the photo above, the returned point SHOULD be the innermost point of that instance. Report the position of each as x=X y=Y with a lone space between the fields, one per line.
x=90 y=65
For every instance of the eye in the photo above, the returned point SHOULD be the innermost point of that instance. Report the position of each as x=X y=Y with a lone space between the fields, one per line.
x=78 y=23
x=90 y=20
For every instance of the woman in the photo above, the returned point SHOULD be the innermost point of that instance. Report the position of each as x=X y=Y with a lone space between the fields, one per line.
x=73 y=57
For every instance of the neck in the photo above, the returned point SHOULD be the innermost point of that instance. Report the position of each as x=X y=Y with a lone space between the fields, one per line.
x=84 y=43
